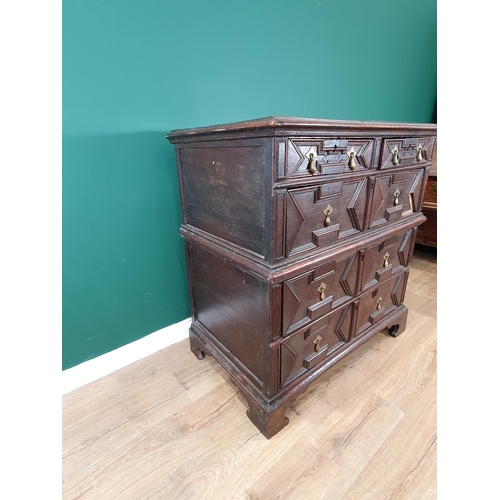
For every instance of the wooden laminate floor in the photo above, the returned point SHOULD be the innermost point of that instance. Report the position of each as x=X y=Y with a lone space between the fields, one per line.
x=172 y=427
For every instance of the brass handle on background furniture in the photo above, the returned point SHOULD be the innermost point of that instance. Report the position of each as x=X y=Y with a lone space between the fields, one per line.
x=311 y=166
x=395 y=159
x=351 y=163
x=379 y=303
x=316 y=342
x=419 y=153
x=321 y=291
x=386 y=259
x=327 y=211
x=396 y=197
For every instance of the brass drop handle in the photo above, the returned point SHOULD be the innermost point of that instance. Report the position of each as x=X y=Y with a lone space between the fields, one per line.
x=321 y=291
x=396 y=197
x=351 y=163
x=327 y=211
x=419 y=153
x=316 y=342
x=311 y=166
x=386 y=259
x=395 y=158
x=379 y=303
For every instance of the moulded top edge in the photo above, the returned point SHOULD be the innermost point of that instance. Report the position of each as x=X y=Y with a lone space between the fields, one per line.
x=275 y=122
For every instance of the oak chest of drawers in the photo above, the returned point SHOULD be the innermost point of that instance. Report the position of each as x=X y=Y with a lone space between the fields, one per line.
x=299 y=235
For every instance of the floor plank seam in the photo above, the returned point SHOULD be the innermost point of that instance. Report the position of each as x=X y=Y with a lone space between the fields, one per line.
x=420 y=459
x=73 y=451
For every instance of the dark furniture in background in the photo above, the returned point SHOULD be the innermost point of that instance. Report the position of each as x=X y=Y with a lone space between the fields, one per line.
x=427 y=231
x=299 y=236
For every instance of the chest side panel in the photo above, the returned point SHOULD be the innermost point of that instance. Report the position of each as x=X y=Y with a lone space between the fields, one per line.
x=233 y=306
x=224 y=191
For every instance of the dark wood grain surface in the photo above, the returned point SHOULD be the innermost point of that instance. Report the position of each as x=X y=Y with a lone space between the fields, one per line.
x=288 y=123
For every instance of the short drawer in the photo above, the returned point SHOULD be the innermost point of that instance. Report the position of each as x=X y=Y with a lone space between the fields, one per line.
x=406 y=152
x=304 y=350
x=314 y=294
x=319 y=215
x=386 y=258
x=396 y=195
x=374 y=305
x=299 y=157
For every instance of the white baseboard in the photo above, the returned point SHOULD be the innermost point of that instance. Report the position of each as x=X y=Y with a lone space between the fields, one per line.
x=91 y=370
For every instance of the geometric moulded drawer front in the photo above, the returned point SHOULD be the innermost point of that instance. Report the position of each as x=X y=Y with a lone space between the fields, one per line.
x=382 y=260
x=406 y=152
x=320 y=215
x=303 y=351
x=311 y=295
x=374 y=305
x=396 y=195
x=330 y=156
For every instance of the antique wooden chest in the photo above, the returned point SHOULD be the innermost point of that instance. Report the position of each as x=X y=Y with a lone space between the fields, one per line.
x=299 y=235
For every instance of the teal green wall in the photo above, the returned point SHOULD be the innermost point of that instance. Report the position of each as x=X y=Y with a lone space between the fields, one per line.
x=133 y=70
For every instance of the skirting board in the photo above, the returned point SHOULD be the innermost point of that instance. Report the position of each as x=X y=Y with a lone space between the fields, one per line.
x=91 y=370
